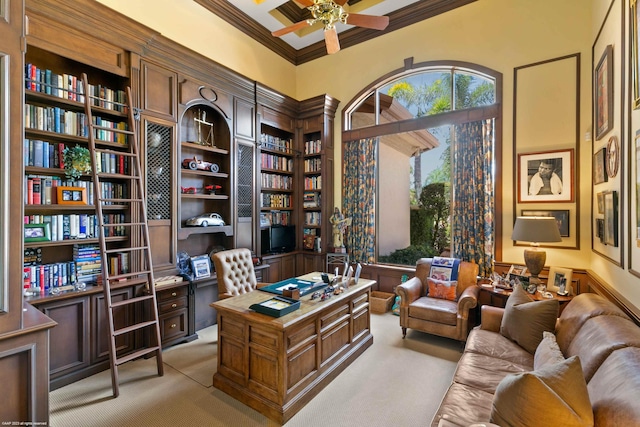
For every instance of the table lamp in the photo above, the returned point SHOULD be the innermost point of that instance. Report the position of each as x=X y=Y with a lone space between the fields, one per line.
x=536 y=230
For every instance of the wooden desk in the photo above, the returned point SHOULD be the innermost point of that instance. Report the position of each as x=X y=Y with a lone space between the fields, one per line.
x=277 y=365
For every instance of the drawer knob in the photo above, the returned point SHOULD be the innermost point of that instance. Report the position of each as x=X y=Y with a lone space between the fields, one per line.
x=173 y=325
x=174 y=305
x=173 y=294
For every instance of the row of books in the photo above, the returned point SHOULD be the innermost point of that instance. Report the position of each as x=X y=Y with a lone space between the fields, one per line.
x=88 y=261
x=312 y=218
x=71 y=87
x=313 y=165
x=272 y=142
x=77 y=226
x=46 y=279
x=277 y=218
x=271 y=161
x=42 y=189
x=313 y=183
x=112 y=163
x=313 y=147
x=55 y=119
x=276 y=181
x=276 y=200
x=43 y=154
x=311 y=199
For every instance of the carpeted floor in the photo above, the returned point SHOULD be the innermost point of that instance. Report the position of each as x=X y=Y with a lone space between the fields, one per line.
x=394 y=382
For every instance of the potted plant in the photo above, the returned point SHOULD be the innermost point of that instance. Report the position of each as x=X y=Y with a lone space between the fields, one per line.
x=77 y=161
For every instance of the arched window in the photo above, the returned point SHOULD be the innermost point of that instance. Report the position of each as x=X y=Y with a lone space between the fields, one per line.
x=421 y=150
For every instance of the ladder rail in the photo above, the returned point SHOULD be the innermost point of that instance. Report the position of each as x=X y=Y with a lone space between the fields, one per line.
x=138 y=234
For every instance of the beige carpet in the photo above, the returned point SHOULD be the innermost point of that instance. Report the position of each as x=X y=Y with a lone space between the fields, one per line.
x=395 y=382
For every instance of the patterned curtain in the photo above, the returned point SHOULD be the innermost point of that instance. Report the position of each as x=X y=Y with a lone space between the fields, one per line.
x=358 y=201
x=472 y=231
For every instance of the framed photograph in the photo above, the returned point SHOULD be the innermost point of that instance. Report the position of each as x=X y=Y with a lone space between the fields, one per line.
x=561 y=216
x=37 y=232
x=599 y=168
x=603 y=93
x=201 y=266
x=600 y=197
x=611 y=218
x=635 y=57
x=600 y=228
x=517 y=270
x=613 y=156
x=545 y=176
x=309 y=241
x=72 y=195
x=556 y=276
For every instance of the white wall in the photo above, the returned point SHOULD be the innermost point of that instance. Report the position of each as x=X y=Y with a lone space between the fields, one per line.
x=393 y=202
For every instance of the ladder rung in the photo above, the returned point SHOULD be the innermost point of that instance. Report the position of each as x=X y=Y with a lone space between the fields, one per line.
x=101 y=175
x=131 y=301
x=129 y=249
x=134 y=327
x=119 y=277
x=120 y=153
x=125 y=224
x=127 y=132
x=135 y=355
x=120 y=200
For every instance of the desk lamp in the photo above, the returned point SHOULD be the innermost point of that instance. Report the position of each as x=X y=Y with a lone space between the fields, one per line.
x=536 y=230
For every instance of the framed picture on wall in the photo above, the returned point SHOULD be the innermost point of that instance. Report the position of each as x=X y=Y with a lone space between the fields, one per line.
x=635 y=57
x=611 y=218
x=545 y=176
x=561 y=216
x=599 y=166
x=603 y=93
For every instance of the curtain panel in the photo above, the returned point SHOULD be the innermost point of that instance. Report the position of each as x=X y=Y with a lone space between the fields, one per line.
x=472 y=230
x=358 y=201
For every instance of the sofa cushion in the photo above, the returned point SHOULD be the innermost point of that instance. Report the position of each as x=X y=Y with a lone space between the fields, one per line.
x=548 y=352
x=463 y=405
x=497 y=346
x=613 y=389
x=485 y=372
x=599 y=337
x=434 y=310
x=524 y=320
x=582 y=307
x=553 y=395
x=442 y=289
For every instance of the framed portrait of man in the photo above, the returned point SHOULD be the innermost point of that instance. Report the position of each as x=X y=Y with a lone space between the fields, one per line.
x=546 y=176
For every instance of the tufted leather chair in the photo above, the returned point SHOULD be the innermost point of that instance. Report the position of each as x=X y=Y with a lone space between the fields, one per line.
x=234 y=269
x=441 y=317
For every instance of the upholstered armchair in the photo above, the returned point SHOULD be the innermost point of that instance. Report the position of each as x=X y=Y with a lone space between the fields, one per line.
x=234 y=269
x=439 y=316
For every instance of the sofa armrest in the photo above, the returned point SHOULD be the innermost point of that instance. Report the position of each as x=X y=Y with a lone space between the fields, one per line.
x=468 y=299
x=409 y=291
x=491 y=318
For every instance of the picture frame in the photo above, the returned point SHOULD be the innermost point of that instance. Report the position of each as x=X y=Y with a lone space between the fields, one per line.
x=517 y=270
x=201 y=266
x=556 y=274
x=599 y=168
x=603 y=93
x=637 y=185
x=561 y=216
x=309 y=241
x=71 y=195
x=37 y=232
x=611 y=218
x=613 y=156
x=635 y=54
x=600 y=199
x=600 y=228
x=533 y=170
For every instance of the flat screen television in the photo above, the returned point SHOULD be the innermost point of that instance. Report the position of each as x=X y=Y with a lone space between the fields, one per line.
x=278 y=239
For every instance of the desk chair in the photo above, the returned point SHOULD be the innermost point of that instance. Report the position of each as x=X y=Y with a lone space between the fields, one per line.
x=234 y=269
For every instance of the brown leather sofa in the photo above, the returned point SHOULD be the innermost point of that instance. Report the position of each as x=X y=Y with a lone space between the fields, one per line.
x=434 y=315
x=604 y=338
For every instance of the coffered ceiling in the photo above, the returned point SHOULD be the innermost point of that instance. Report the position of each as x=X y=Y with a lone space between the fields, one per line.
x=258 y=18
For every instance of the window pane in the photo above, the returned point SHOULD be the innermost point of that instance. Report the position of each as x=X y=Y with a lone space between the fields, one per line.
x=419 y=95
x=473 y=90
x=363 y=115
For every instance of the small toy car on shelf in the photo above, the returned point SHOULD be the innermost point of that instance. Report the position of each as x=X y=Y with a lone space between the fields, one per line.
x=205 y=220
x=212 y=189
x=195 y=164
x=188 y=190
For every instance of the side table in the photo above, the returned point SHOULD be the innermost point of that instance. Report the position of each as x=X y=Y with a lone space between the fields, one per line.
x=498 y=297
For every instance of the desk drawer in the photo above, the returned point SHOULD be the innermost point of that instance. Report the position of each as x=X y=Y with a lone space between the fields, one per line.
x=175 y=304
x=168 y=294
x=173 y=325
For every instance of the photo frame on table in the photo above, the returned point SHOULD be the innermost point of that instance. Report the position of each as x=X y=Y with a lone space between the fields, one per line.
x=201 y=266
x=635 y=56
x=517 y=271
x=611 y=218
x=603 y=93
x=556 y=274
x=561 y=216
x=546 y=176
x=37 y=232
x=71 y=195
x=599 y=168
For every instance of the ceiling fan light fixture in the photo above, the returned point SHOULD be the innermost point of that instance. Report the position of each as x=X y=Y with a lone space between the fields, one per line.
x=328 y=13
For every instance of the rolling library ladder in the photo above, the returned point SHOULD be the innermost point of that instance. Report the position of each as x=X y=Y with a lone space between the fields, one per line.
x=140 y=269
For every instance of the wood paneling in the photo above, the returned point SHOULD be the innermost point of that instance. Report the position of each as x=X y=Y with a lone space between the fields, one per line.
x=159 y=95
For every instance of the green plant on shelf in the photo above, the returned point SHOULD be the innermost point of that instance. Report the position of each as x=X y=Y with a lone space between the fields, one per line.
x=77 y=161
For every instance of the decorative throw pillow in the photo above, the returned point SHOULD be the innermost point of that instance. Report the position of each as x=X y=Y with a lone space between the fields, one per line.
x=442 y=289
x=548 y=352
x=551 y=396
x=524 y=320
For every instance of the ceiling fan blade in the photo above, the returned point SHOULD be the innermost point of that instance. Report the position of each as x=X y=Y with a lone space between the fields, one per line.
x=331 y=40
x=340 y=2
x=290 y=29
x=305 y=3
x=368 y=21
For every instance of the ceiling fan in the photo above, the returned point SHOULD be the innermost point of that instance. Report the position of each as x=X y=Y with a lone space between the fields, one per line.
x=330 y=12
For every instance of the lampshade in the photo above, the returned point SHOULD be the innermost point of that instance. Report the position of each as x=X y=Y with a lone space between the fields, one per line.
x=536 y=229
